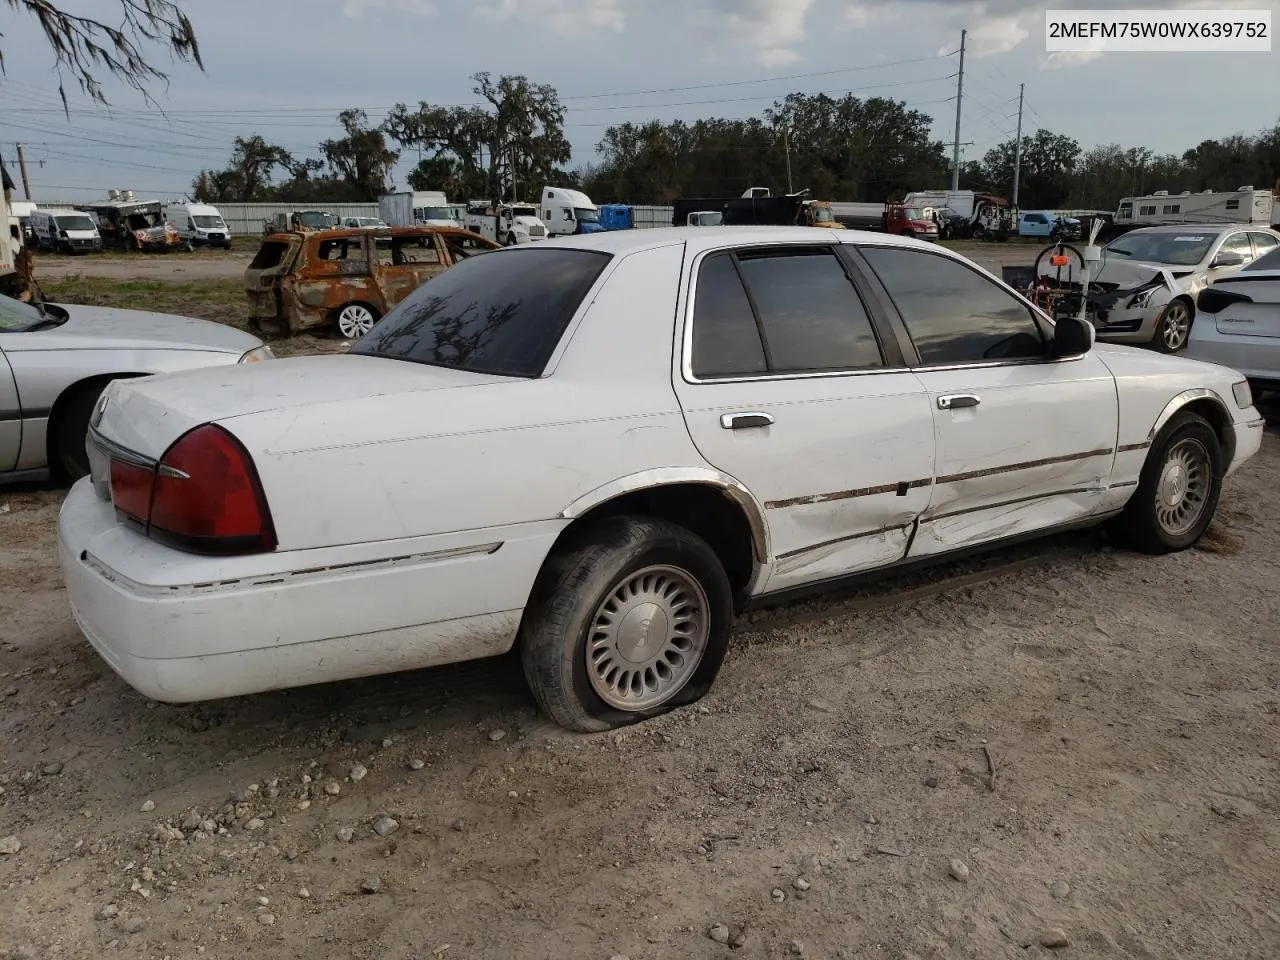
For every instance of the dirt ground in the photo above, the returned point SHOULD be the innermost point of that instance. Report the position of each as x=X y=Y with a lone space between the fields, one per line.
x=1092 y=734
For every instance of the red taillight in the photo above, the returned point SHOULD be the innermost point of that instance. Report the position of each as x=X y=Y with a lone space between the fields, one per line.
x=203 y=496
x=131 y=490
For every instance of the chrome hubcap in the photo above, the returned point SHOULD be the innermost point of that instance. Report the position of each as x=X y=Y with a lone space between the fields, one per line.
x=1177 y=322
x=1183 y=487
x=355 y=321
x=647 y=638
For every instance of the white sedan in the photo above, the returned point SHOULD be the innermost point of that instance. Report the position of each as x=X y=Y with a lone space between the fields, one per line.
x=1239 y=323
x=603 y=447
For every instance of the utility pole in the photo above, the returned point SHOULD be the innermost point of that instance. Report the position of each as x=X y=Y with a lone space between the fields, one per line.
x=22 y=166
x=955 y=153
x=1017 y=147
x=786 y=145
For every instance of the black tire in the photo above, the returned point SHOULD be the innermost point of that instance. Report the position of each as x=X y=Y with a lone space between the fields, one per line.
x=1173 y=329
x=571 y=590
x=511 y=240
x=1140 y=526
x=979 y=232
x=73 y=427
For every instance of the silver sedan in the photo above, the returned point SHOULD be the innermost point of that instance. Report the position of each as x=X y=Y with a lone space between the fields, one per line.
x=55 y=361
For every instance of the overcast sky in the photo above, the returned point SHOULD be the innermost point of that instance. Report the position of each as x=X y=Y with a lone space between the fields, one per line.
x=284 y=68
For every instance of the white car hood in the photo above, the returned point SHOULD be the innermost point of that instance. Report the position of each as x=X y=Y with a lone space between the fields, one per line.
x=1134 y=273
x=105 y=328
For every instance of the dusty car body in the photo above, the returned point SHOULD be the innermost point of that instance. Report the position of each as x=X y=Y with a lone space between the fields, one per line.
x=348 y=277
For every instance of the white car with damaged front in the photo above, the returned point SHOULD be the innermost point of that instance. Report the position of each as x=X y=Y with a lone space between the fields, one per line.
x=1148 y=279
x=602 y=447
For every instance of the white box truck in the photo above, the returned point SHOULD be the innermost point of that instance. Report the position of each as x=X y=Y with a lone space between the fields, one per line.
x=419 y=208
x=507 y=223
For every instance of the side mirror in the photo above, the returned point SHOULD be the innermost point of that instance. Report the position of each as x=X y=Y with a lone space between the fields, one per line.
x=1227 y=258
x=1072 y=337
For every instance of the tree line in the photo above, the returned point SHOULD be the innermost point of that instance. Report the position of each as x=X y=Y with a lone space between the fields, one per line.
x=840 y=148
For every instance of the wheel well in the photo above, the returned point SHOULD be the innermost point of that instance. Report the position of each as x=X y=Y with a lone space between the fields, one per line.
x=59 y=409
x=1218 y=418
x=698 y=507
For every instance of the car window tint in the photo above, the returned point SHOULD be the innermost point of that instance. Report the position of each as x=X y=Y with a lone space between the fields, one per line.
x=501 y=314
x=955 y=314
x=813 y=318
x=726 y=341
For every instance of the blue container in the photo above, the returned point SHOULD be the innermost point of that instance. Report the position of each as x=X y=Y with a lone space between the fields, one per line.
x=615 y=216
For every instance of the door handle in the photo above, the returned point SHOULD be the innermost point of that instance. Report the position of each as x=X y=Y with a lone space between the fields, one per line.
x=744 y=421
x=954 y=401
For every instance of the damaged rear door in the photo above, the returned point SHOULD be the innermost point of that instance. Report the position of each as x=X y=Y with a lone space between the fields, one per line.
x=264 y=277
x=405 y=262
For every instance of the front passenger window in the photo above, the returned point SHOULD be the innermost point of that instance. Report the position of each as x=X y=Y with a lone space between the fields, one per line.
x=952 y=313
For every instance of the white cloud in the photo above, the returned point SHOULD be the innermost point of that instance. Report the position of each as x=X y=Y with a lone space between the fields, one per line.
x=1065 y=59
x=997 y=35
x=770 y=30
x=570 y=18
x=355 y=9
x=860 y=15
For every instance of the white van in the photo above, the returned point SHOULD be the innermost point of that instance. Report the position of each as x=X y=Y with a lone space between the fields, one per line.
x=65 y=231
x=199 y=225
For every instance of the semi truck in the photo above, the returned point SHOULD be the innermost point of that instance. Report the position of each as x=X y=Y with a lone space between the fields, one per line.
x=567 y=212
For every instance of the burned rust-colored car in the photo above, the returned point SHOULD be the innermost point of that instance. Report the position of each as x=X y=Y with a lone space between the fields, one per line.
x=348 y=278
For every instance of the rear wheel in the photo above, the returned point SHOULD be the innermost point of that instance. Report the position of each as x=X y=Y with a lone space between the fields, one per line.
x=356 y=319
x=1178 y=489
x=628 y=622
x=72 y=430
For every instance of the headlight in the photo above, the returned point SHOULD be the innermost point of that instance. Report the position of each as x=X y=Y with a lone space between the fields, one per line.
x=258 y=353
x=1242 y=394
x=1139 y=300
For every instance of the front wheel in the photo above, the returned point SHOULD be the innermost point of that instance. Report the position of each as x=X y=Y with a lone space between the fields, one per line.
x=356 y=319
x=511 y=240
x=627 y=623
x=1178 y=489
x=1173 y=327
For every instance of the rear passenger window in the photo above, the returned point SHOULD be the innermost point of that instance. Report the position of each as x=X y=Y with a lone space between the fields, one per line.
x=955 y=314
x=798 y=313
x=726 y=341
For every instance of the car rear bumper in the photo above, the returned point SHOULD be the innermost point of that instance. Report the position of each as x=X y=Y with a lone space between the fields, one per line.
x=1257 y=358
x=182 y=628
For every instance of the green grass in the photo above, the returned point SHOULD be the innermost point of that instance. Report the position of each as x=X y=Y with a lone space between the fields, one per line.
x=222 y=301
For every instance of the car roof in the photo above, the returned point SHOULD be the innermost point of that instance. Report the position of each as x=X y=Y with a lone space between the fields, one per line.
x=1184 y=227
x=629 y=241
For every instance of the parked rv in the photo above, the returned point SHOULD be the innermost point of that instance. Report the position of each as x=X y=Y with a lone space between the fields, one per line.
x=199 y=225
x=507 y=223
x=1245 y=205
x=127 y=223
x=566 y=212
x=65 y=231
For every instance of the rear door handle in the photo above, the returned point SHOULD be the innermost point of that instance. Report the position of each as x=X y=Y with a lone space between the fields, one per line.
x=745 y=421
x=954 y=401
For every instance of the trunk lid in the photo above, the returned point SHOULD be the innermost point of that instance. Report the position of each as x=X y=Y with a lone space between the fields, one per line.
x=147 y=415
x=1259 y=315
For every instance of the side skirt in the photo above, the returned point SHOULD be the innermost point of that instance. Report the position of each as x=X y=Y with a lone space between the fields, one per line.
x=908 y=564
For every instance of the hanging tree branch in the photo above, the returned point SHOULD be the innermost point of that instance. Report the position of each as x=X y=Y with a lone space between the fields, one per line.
x=82 y=45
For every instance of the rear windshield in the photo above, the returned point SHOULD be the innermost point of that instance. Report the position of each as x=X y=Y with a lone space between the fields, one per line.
x=270 y=254
x=500 y=314
x=1268 y=261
